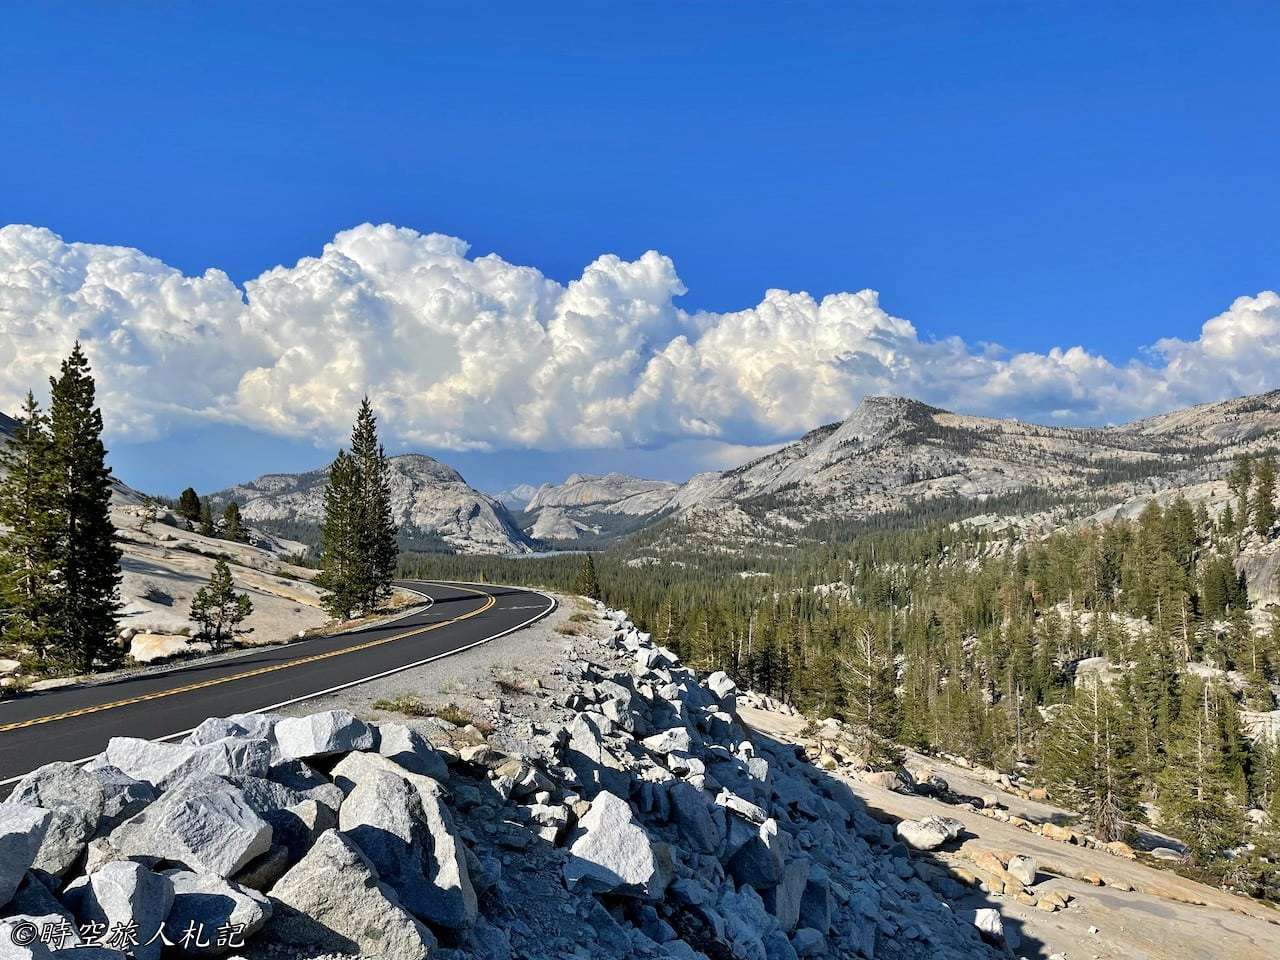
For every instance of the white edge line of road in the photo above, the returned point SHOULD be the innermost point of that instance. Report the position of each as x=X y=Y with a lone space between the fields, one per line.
x=179 y=666
x=376 y=676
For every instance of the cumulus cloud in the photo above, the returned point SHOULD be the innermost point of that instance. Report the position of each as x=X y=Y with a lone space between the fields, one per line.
x=478 y=353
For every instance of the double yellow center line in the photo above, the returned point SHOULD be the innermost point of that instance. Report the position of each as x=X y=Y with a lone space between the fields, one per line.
x=490 y=600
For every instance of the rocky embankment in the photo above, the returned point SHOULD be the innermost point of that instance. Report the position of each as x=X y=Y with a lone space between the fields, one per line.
x=626 y=813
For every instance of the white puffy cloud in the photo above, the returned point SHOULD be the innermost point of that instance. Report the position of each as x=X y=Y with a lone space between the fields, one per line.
x=463 y=353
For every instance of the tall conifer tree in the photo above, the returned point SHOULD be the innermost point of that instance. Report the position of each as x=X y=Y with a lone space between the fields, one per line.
x=868 y=673
x=588 y=585
x=1089 y=757
x=1196 y=785
x=189 y=505
x=377 y=546
x=205 y=526
x=86 y=559
x=1264 y=496
x=232 y=525
x=1239 y=480
x=27 y=533
x=340 y=561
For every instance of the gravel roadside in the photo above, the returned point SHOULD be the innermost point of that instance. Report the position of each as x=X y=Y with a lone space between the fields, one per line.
x=471 y=679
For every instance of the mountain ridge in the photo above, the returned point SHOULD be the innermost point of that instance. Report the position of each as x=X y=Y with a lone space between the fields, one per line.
x=899 y=453
x=889 y=454
x=429 y=499
x=595 y=508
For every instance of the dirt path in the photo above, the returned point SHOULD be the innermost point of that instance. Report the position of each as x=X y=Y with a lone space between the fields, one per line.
x=1164 y=917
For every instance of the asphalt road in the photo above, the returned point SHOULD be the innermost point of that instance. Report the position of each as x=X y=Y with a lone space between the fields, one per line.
x=76 y=723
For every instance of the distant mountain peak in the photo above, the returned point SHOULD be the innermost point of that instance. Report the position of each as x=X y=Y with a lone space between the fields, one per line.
x=597 y=504
x=879 y=414
x=427 y=497
x=421 y=463
x=892 y=452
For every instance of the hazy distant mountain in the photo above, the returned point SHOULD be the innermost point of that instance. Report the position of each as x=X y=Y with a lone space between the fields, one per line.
x=515 y=498
x=588 y=506
x=430 y=500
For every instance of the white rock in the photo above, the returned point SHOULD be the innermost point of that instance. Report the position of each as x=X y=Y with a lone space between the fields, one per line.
x=250 y=726
x=758 y=860
x=615 y=854
x=411 y=750
x=725 y=690
x=455 y=899
x=334 y=899
x=322 y=735
x=675 y=740
x=220 y=830
x=1023 y=869
x=296 y=827
x=692 y=811
x=124 y=892
x=123 y=797
x=75 y=799
x=162 y=764
x=647 y=658
x=784 y=899
x=743 y=808
x=204 y=823
x=214 y=902
x=929 y=833
x=22 y=830
x=417 y=853
x=989 y=924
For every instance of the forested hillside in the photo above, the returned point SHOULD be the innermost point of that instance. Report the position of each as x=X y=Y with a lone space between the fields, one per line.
x=1121 y=663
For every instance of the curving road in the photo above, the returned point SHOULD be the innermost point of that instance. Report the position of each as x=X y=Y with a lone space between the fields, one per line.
x=76 y=723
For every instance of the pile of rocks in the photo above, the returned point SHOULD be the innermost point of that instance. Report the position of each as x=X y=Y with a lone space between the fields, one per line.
x=634 y=817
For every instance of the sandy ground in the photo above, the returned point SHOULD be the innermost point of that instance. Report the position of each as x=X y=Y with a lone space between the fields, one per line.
x=1165 y=917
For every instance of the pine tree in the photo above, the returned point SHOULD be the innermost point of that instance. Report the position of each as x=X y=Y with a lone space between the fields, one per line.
x=27 y=533
x=1195 y=787
x=1220 y=588
x=232 y=525
x=666 y=624
x=867 y=669
x=340 y=560
x=1180 y=534
x=1266 y=778
x=1256 y=870
x=377 y=546
x=1227 y=522
x=1264 y=496
x=189 y=505
x=919 y=697
x=1238 y=481
x=588 y=585
x=150 y=513
x=1088 y=756
x=217 y=607
x=86 y=559
x=206 y=527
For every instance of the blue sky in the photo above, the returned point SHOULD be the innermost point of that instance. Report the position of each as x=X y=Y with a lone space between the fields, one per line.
x=1033 y=175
